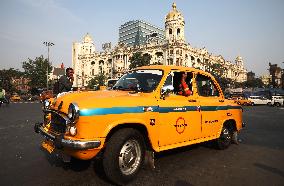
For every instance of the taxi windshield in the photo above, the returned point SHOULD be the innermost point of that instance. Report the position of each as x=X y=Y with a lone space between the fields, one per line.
x=139 y=80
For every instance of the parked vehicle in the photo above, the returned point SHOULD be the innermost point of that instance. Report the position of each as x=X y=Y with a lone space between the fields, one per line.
x=111 y=83
x=143 y=113
x=243 y=101
x=277 y=101
x=15 y=98
x=259 y=100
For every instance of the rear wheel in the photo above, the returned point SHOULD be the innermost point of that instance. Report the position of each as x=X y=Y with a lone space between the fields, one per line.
x=225 y=138
x=124 y=155
x=277 y=104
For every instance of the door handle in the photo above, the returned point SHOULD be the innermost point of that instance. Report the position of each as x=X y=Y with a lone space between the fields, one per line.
x=192 y=100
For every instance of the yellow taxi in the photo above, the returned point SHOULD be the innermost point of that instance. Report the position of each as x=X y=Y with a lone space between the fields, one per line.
x=142 y=114
x=243 y=101
x=15 y=98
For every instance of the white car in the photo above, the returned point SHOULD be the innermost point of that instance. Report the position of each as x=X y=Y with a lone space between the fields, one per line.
x=277 y=101
x=259 y=100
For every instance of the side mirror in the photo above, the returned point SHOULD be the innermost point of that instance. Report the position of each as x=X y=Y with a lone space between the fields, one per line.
x=166 y=90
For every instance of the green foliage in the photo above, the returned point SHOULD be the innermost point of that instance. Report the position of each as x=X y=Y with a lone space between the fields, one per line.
x=254 y=83
x=217 y=70
x=6 y=78
x=98 y=80
x=36 y=71
x=224 y=82
x=138 y=60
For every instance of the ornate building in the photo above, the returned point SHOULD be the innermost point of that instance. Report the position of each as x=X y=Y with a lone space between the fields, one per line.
x=174 y=50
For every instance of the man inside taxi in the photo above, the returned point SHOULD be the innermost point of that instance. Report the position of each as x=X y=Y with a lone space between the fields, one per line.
x=183 y=86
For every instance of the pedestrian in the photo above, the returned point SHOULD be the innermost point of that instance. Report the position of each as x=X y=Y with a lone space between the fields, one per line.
x=65 y=82
x=3 y=98
x=2 y=94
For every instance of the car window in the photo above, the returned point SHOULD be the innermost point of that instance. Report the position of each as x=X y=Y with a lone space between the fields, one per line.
x=205 y=86
x=177 y=76
x=139 y=80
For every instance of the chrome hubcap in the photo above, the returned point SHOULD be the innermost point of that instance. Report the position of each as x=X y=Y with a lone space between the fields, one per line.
x=129 y=157
x=226 y=134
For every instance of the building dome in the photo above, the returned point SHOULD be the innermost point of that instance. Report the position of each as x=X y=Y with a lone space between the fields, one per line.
x=174 y=13
x=88 y=38
x=239 y=58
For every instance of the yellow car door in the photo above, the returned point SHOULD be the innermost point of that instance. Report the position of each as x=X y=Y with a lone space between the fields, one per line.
x=211 y=105
x=179 y=116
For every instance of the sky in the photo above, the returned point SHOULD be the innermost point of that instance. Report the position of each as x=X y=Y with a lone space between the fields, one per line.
x=253 y=29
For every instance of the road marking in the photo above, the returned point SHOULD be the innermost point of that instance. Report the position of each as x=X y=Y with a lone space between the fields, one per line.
x=26 y=102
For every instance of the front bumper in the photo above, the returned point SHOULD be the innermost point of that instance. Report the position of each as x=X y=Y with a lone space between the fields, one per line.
x=60 y=142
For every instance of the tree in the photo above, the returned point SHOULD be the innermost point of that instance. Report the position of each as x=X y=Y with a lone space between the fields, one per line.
x=6 y=78
x=98 y=80
x=36 y=71
x=218 y=70
x=138 y=60
x=254 y=83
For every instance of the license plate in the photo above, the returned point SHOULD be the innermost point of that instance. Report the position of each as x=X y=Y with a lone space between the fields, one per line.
x=48 y=145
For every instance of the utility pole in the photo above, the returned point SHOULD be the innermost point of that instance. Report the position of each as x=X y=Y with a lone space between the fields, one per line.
x=48 y=44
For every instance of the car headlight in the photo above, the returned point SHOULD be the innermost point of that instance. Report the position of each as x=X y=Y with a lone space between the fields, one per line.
x=46 y=104
x=73 y=112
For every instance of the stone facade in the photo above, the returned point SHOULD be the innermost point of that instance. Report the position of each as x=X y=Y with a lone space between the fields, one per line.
x=174 y=50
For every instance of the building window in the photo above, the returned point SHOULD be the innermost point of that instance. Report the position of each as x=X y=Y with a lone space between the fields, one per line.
x=170 y=31
x=171 y=51
x=178 y=31
x=93 y=72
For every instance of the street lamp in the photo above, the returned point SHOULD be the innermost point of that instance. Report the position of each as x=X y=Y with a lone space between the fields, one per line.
x=48 y=44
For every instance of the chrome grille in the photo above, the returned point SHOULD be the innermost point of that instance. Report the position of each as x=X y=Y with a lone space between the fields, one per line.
x=57 y=123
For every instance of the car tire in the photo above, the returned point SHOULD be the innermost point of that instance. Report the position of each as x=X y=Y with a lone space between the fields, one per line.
x=124 y=155
x=252 y=103
x=225 y=139
x=277 y=104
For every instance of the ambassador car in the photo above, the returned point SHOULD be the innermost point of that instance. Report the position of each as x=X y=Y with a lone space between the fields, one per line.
x=142 y=114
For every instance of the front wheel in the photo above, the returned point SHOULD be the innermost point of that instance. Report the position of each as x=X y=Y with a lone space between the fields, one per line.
x=124 y=155
x=225 y=138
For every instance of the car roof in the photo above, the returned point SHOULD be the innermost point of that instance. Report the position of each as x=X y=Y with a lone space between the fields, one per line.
x=171 y=67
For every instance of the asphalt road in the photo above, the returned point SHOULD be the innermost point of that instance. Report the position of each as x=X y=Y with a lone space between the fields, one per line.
x=258 y=160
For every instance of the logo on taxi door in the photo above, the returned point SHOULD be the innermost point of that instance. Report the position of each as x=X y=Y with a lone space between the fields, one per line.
x=180 y=125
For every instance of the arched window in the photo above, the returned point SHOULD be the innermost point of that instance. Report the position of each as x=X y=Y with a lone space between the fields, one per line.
x=170 y=31
x=178 y=31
